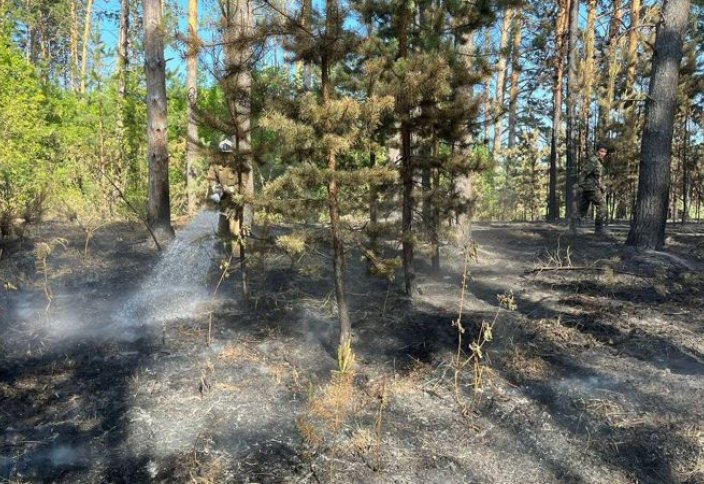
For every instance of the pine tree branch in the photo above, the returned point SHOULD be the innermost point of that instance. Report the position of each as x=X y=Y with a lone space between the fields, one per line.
x=291 y=19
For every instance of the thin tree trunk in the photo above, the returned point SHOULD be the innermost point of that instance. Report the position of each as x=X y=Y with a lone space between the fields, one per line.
x=588 y=76
x=486 y=96
x=463 y=182
x=86 y=41
x=73 y=61
x=158 y=212
x=648 y=227
x=613 y=68
x=572 y=121
x=373 y=230
x=407 y=168
x=303 y=70
x=560 y=44
x=501 y=80
x=515 y=74
x=333 y=205
x=123 y=46
x=632 y=53
x=435 y=210
x=631 y=108
x=192 y=87
x=122 y=64
x=685 y=170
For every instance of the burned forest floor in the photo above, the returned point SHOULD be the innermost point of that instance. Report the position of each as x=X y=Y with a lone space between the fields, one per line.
x=580 y=361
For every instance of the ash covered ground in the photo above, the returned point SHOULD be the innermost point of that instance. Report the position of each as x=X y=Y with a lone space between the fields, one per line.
x=125 y=365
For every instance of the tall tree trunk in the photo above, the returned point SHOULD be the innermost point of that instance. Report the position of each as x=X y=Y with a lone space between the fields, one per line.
x=486 y=96
x=631 y=108
x=632 y=53
x=435 y=210
x=463 y=182
x=158 y=212
x=501 y=80
x=86 y=41
x=588 y=76
x=613 y=67
x=648 y=227
x=237 y=23
x=685 y=169
x=73 y=62
x=123 y=47
x=123 y=43
x=192 y=87
x=407 y=169
x=572 y=120
x=333 y=205
x=515 y=74
x=303 y=70
x=560 y=44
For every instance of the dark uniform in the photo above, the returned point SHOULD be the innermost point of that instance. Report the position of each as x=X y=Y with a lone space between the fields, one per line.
x=592 y=191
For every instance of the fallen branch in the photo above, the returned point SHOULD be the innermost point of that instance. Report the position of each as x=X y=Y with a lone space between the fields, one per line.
x=578 y=268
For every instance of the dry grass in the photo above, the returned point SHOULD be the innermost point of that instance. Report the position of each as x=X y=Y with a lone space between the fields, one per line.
x=240 y=352
x=525 y=366
x=412 y=381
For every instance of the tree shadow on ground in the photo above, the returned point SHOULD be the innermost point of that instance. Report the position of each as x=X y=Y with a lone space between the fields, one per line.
x=63 y=413
x=65 y=395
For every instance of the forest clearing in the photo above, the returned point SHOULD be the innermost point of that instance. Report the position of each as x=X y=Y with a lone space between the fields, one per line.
x=265 y=241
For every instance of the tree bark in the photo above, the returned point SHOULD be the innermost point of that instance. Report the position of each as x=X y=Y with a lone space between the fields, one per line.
x=613 y=68
x=560 y=32
x=463 y=182
x=158 y=211
x=486 y=96
x=407 y=169
x=86 y=41
x=685 y=169
x=73 y=61
x=515 y=75
x=588 y=77
x=192 y=88
x=632 y=53
x=572 y=120
x=648 y=227
x=238 y=53
x=501 y=80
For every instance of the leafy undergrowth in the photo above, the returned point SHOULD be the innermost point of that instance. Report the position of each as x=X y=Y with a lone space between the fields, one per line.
x=591 y=372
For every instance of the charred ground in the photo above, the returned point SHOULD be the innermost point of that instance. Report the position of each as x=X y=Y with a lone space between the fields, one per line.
x=595 y=376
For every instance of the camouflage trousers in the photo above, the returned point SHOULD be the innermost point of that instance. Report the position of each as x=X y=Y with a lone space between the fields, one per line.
x=593 y=197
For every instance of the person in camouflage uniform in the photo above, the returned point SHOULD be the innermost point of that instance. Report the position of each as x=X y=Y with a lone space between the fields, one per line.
x=222 y=185
x=592 y=190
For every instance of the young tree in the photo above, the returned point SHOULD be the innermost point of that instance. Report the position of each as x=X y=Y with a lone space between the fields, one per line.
x=648 y=227
x=158 y=210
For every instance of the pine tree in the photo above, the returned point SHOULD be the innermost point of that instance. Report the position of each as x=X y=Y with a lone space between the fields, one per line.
x=561 y=23
x=158 y=209
x=572 y=119
x=319 y=129
x=648 y=227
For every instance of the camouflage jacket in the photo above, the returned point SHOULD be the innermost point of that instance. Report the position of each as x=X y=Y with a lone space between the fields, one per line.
x=223 y=175
x=590 y=175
